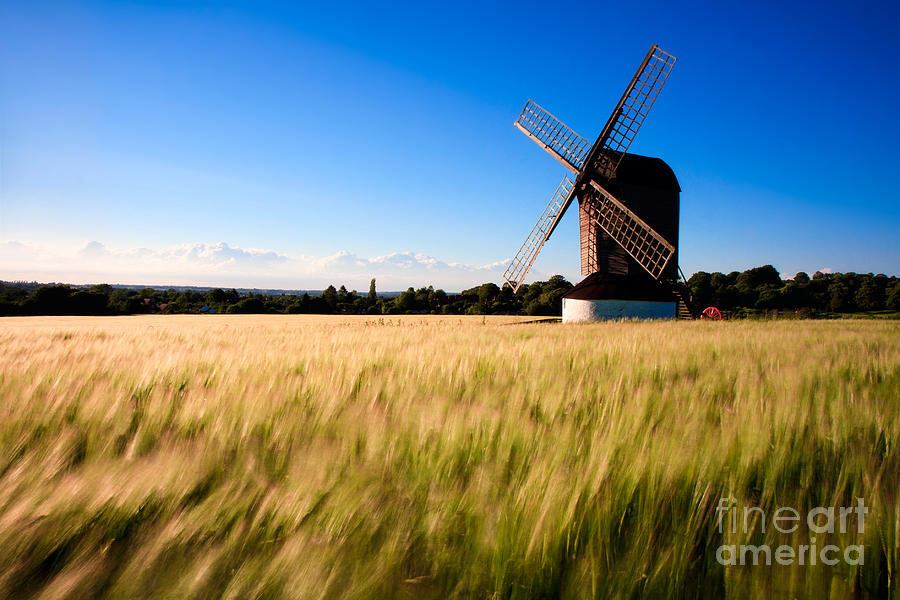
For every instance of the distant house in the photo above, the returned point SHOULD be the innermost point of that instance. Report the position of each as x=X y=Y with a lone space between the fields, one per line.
x=153 y=307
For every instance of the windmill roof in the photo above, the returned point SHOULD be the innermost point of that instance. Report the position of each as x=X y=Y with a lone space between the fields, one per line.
x=608 y=286
x=647 y=171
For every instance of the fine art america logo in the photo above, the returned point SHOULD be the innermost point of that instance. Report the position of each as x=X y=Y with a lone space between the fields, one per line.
x=786 y=520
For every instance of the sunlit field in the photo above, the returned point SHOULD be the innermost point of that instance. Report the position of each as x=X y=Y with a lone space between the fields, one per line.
x=438 y=457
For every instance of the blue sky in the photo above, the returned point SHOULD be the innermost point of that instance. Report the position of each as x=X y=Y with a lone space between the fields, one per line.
x=294 y=145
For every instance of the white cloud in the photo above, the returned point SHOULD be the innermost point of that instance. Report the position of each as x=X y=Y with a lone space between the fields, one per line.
x=220 y=264
x=93 y=250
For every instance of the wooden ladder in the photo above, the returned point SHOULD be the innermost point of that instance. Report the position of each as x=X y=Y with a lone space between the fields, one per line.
x=684 y=310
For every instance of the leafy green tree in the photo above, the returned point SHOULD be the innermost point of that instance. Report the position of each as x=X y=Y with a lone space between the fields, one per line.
x=701 y=289
x=840 y=297
x=797 y=293
x=769 y=297
x=718 y=281
x=50 y=300
x=88 y=303
x=486 y=294
x=404 y=302
x=725 y=294
x=329 y=295
x=301 y=306
x=180 y=302
x=135 y=305
x=869 y=296
x=752 y=282
x=101 y=288
x=423 y=298
x=216 y=296
x=558 y=282
x=273 y=306
x=506 y=302
x=248 y=306
x=14 y=295
x=8 y=309
x=545 y=298
x=893 y=296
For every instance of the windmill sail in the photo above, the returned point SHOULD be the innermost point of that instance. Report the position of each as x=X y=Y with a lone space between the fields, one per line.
x=639 y=240
x=554 y=136
x=631 y=111
x=521 y=263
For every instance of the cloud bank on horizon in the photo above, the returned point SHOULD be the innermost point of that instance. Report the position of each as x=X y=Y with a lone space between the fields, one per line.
x=223 y=265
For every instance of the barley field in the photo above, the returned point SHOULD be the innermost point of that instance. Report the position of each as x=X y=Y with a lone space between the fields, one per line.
x=439 y=457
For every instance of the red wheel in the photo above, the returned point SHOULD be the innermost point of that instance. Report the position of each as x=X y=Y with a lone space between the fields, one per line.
x=711 y=312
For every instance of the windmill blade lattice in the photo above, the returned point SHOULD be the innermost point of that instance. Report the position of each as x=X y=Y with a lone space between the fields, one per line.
x=554 y=136
x=629 y=115
x=638 y=239
x=521 y=263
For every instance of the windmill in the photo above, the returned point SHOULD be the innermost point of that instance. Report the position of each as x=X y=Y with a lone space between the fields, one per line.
x=628 y=208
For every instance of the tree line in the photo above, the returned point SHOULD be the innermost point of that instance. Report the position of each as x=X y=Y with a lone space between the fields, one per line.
x=755 y=291
x=762 y=290
x=21 y=298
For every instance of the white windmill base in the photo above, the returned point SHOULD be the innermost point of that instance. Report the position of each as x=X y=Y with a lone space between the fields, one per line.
x=575 y=310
